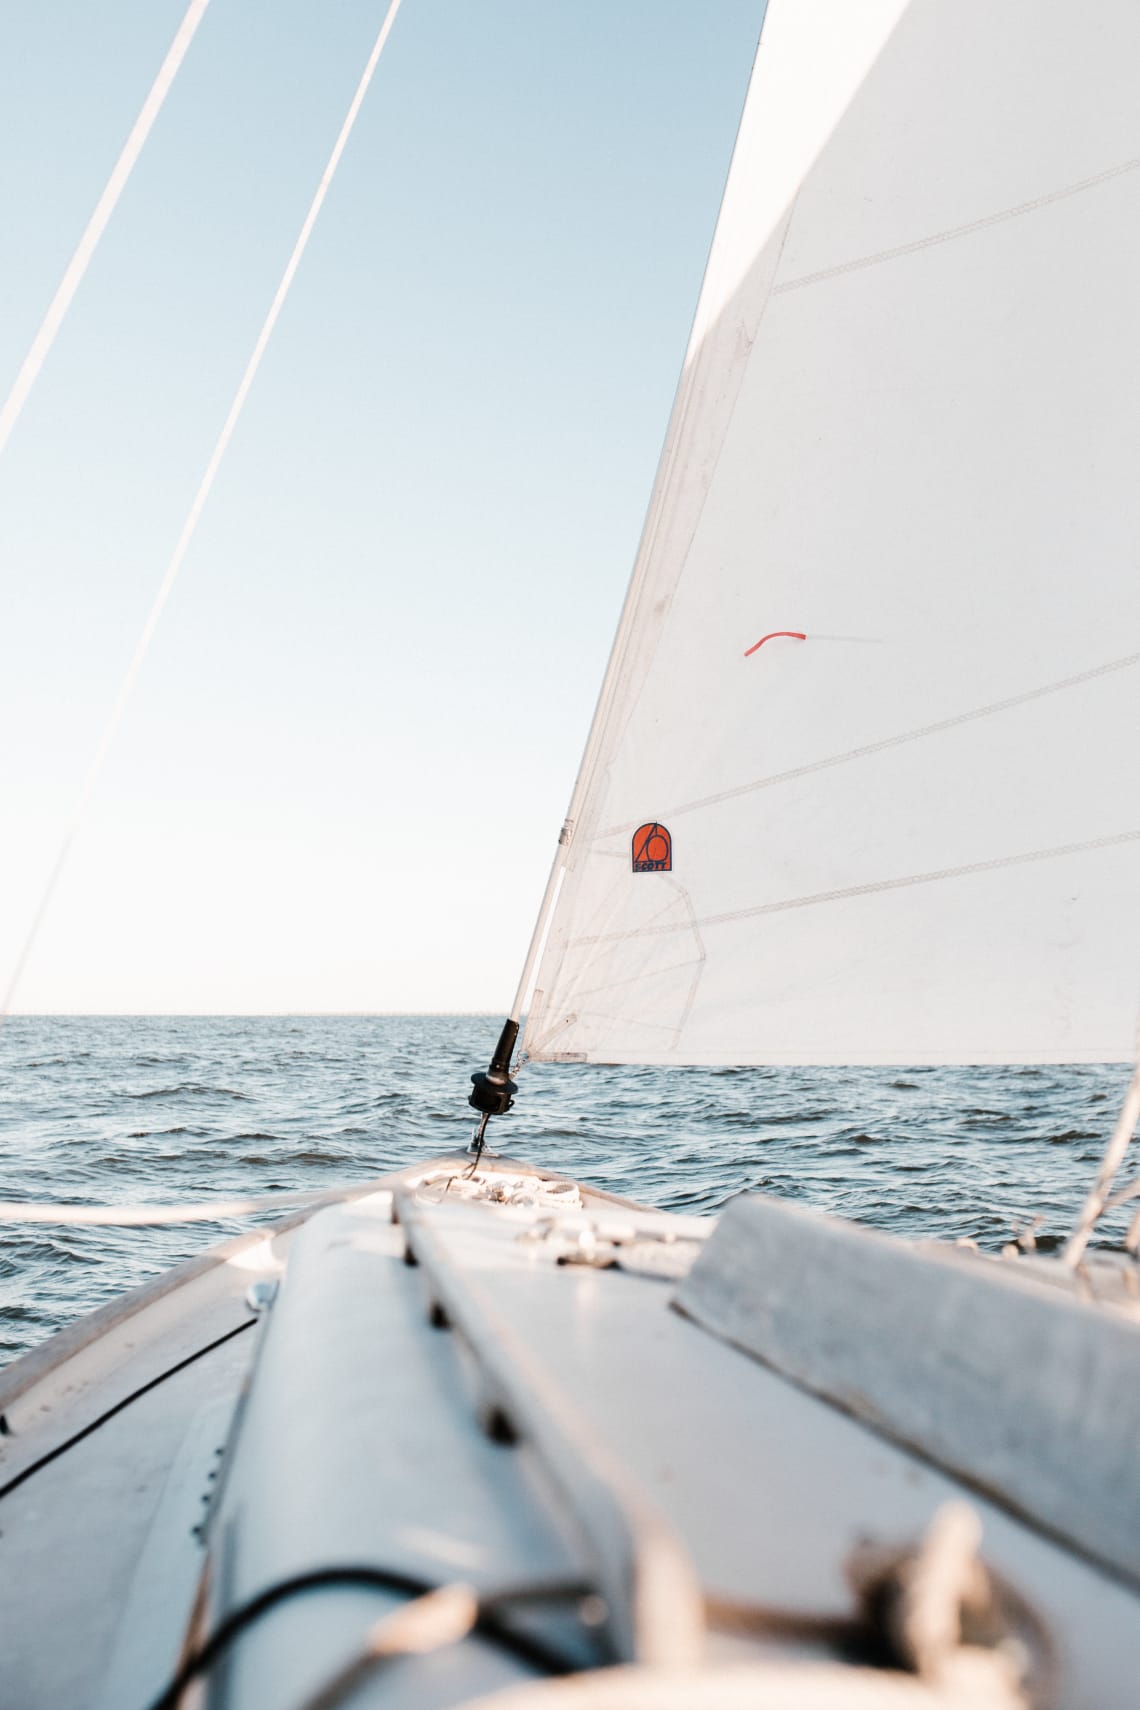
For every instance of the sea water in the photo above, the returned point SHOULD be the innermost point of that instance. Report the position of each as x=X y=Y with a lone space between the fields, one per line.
x=129 y=1109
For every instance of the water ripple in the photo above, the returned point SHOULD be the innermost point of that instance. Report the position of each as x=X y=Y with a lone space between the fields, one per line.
x=239 y=1105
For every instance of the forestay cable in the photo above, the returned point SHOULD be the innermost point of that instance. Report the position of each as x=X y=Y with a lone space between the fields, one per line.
x=170 y=575
x=76 y=268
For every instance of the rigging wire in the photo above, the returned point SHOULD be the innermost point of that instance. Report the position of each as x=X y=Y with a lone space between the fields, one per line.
x=170 y=575
x=1009 y=703
x=40 y=347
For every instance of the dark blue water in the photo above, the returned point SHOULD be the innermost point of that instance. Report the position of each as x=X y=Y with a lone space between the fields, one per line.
x=126 y=1108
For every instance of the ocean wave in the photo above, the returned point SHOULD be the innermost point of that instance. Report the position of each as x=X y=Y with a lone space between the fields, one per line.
x=188 y=1089
x=328 y=1100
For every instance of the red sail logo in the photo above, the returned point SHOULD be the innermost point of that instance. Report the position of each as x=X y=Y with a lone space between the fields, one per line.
x=652 y=849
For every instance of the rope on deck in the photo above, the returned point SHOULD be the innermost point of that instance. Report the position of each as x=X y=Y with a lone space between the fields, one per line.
x=133 y=1216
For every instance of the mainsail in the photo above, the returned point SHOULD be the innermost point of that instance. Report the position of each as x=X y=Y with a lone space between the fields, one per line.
x=907 y=431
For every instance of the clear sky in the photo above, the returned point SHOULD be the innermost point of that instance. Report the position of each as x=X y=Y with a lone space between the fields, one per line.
x=340 y=781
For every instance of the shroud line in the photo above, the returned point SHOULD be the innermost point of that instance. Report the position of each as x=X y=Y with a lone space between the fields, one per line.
x=142 y=646
x=40 y=347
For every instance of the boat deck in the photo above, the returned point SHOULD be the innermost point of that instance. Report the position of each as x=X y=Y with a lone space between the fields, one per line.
x=454 y=1390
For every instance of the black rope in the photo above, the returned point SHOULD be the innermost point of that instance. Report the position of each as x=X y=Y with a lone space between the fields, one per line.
x=488 y=1623
x=94 y=1424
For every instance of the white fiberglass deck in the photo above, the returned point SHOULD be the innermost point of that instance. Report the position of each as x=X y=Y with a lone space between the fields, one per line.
x=617 y=1428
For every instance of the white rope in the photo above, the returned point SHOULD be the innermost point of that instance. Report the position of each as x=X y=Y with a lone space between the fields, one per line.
x=97 y=224
x=428 y=1623
x=198 y=505
x=1110 y=1164
x=1123 y=1195
x=133 y=1216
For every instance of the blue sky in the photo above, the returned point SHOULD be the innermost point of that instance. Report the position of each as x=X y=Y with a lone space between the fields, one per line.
x=341 y=777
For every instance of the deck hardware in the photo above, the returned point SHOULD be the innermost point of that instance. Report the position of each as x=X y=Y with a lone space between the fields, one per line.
x=578 y=1239
x=592 y=1611
x=492 y=1089
x=600 y=1257
x=260 y=1295
x=498 y=1426
x=640 y=1565
x=526 y=1188
x=928 y=1602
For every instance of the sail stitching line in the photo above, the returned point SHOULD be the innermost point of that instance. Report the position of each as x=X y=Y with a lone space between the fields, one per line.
x=642 y=974
x=695 y=963
x=593 y=990
x=694 y=982
x=886 y=742
x=544 y=1039
x=953 y=232
x=848 y=891
x=601 y=1015
x=611 y=905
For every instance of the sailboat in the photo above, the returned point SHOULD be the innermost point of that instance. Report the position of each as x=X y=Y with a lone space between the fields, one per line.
x=856 y=792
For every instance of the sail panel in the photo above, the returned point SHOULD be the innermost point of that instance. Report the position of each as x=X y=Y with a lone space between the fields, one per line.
x=907 y=430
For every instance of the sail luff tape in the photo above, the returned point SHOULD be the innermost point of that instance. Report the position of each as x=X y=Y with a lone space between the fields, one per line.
x=40 y=347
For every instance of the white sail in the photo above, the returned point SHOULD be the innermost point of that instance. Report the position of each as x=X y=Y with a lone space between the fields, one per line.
x=908 y=429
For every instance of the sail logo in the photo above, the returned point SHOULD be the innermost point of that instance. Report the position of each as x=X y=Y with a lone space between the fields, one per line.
x=652 y=849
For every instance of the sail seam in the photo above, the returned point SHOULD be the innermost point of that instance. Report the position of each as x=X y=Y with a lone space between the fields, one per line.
x=953 y=232
x=875 y=886
x=643 y=974
x=694 y=983
x=887 y=742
